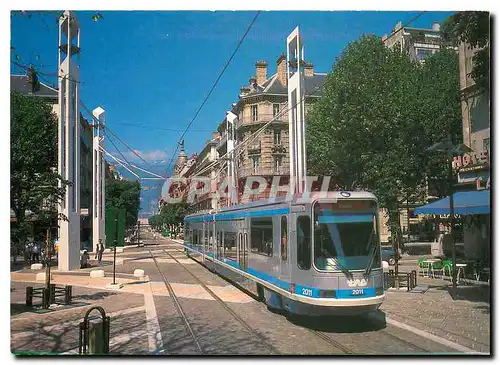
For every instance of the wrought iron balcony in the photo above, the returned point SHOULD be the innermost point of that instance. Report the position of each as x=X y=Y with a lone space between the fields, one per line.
x=278 y=149
x=254 y=148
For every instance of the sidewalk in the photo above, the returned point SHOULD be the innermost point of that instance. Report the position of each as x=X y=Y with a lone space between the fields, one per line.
x=55 y=330
x=465 y=321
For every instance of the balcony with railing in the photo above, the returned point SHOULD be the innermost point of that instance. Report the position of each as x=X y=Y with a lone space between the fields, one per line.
x=254 y=148
x=278 y=148
x=263 y=171
x=280 y=118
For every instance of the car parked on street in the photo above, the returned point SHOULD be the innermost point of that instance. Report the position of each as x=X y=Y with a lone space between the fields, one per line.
x=389 y=255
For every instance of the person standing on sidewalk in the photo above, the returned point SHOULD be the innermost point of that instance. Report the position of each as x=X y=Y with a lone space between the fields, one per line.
x=99 y=251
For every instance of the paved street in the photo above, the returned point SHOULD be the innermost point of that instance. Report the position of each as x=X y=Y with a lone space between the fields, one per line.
x=145 y=318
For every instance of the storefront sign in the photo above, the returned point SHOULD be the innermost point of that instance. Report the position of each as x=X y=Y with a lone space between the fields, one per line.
x=471 y=160
x=482 y=183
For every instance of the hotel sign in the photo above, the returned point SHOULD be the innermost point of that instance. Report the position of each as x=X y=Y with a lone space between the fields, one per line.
x=471 y=161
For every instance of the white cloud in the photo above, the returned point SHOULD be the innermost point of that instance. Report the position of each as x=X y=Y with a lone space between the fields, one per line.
x=154 y=156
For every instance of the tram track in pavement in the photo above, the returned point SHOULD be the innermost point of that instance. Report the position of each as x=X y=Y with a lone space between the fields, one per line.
x=319 y=334
x=324 y=336
x=178 y=306
x=271 y=348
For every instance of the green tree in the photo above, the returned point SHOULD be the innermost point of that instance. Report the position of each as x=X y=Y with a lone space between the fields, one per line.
x=35 y=186
x=124 y=194
x=472 y=27
x=441 y=114
x=379 y=113
x=172 y=215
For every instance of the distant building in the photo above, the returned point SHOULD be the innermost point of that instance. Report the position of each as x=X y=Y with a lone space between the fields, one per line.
x=419 y=43
x=264 y=100
x=474 y=168
x=29 y=85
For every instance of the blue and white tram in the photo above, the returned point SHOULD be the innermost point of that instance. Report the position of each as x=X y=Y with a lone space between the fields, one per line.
x=308 y=256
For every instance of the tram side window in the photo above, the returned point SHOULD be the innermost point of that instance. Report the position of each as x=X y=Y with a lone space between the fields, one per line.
x=230 y=245
x=262 y=236
x=304 y=242
x=195 y=237
x=284 y=239
x=187 y=227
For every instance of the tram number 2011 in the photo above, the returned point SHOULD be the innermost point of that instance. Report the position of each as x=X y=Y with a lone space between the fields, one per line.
x=357 y=291
x=307 y=292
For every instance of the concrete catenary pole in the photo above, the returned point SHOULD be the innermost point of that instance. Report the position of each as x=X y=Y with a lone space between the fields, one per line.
x=296 y=113
x=69 y=140
x=98 y=179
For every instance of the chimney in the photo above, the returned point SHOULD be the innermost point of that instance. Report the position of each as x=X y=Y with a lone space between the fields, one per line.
x=261 y=71
x=308 y=69
x=436 y=26
x=281 y=71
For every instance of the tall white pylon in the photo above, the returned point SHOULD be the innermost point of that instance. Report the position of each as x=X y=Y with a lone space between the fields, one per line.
x=296 y=113
x=98 y=179
x=231 y=176
x=69 y=140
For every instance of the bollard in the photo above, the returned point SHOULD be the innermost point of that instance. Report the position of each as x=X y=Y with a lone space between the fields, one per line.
x=408 y=282
x=414 y=272
x=29 y=296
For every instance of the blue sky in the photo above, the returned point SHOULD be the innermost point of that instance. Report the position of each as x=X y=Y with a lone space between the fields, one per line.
x=154 y=68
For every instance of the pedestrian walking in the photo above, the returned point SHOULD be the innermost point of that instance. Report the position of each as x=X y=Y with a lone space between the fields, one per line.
x=99 y=251
x=36 y=252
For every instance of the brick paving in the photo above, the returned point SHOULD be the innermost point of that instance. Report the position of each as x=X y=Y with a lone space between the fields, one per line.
x=465 y=321
x=218 y=332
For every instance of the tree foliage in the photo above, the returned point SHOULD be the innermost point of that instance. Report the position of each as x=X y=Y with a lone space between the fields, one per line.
x=379 y=113
x=171 y=215
x=124 y=194
x=472 y=27
x=35 y=186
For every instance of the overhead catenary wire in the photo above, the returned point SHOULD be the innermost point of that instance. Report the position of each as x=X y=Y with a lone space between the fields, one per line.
x=213 y=87
x=114 y=134
x=238 y=149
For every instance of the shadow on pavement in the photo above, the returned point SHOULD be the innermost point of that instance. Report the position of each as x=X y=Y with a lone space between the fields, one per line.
x=94 y=296
x=471 y=293
x=341 y=324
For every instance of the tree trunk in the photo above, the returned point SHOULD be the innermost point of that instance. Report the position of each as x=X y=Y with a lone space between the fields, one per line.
x=395 y=228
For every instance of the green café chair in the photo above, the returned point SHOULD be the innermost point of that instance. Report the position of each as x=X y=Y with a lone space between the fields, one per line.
x=447 y=265
x=437 y=266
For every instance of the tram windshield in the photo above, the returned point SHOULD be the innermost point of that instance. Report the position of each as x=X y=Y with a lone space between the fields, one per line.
x=346 y=236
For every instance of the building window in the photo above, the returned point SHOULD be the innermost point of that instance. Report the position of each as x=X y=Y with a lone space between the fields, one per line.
x=277 y=163
x=304 y=242
x=276 y=109
x=277 y=137
x=422 y=53
x=256 y=164
x=262 y=236
x=486 y=144
x=284 y=238
x=255 y=113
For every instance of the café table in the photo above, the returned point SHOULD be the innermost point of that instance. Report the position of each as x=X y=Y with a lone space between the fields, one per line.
x=430 y=266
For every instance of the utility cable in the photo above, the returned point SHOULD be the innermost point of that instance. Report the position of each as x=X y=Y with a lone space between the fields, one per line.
x=213 y=88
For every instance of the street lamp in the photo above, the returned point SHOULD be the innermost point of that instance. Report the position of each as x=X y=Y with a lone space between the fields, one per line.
x=451 y=150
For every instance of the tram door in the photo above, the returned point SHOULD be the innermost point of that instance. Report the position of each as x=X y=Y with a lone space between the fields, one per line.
x=204 y=243
x=243 y=247
x=284 y=247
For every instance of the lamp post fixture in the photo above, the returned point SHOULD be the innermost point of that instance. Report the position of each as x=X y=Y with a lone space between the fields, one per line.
x=451 y=150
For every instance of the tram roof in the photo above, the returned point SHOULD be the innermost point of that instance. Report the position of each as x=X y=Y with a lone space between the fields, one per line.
x=310 y=197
